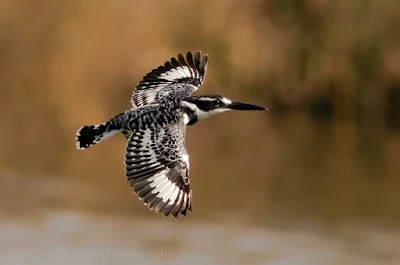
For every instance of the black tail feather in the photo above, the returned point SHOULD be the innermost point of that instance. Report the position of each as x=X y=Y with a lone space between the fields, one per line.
x=90 y=135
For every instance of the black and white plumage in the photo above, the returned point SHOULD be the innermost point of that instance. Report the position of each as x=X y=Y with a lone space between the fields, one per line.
x=156 y=160
x=157 y=168
x=181 y=78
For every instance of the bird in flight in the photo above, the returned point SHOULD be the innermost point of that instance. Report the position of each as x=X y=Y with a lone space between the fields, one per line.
x=156 y=160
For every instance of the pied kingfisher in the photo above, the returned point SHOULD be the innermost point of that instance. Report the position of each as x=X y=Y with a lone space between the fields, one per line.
x=156 y=160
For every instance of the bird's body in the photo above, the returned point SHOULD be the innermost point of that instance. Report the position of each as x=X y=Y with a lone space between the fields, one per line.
x=156 y=160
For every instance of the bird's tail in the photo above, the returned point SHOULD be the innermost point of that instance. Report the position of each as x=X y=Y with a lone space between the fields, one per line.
x=90 y=135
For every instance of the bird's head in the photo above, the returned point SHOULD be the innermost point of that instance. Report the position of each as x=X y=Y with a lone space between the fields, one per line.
x=202 y=107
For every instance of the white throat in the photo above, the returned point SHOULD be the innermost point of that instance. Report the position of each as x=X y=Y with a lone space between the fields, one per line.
x=201 y=115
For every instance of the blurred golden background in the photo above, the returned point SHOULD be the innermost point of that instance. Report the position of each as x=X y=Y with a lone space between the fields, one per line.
x=316 y=180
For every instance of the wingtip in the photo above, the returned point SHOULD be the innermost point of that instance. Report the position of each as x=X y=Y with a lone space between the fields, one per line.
x=174 y=214
x=197 y=57
x=204 y=62
x=200 y=54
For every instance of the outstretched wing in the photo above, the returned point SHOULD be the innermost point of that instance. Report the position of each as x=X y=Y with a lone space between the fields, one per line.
x=191 y=70
x=157 y=167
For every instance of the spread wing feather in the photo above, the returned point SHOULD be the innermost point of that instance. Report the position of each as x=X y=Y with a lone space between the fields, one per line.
x=190 y=70
x=157 y=168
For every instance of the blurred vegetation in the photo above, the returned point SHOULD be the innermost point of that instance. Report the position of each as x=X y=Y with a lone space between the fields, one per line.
x=327 y=69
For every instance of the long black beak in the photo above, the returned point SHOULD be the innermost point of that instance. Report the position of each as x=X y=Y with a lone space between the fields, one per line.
x=244 y=106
